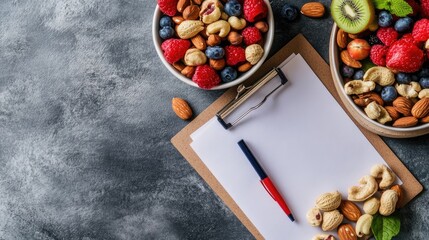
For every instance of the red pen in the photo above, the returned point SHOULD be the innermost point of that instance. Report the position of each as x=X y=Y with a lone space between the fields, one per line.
x=265 y=180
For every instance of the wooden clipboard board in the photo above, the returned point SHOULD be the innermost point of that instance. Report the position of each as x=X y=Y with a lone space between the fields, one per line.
x=299 y=44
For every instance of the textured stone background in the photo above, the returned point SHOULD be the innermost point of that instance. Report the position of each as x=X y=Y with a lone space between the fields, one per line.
x=85 y=126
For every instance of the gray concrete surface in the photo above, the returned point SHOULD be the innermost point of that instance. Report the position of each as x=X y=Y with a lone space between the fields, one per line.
x=85 y=128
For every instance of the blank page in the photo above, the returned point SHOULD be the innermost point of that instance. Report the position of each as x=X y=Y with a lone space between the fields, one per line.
x=304 y=141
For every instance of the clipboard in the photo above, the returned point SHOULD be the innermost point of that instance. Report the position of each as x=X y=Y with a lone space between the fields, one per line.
x=299 y=45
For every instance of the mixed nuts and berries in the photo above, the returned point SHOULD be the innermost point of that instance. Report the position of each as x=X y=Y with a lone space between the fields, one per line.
x=384 y=50
x=212 y=41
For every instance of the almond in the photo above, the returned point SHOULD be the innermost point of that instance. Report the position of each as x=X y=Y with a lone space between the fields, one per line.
x=245 y=67
x=403 y=105
x=346 y=232
x=199 y=42
x=182 y=4
x=425 y=119
x=179 y=66
x=350 y=210
x=217 y=64
x=349 y=61
x=178 y=19
x=392 y=112
x=313 y=9
x=191 y=12
x=181 y=108
x=198 y=2
x=188 y=71
x=421 y=108
x=368 y=98
x=341 y=38
x=213 y=40
x=404 y=122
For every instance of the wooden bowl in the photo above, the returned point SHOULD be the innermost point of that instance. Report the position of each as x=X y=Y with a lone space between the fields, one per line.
x=356 y=112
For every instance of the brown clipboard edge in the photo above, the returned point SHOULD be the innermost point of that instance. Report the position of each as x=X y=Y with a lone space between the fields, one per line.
x=411 y=187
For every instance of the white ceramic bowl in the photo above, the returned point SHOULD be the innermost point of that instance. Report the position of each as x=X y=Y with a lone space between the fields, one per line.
x=357 y=113
x=268 y=41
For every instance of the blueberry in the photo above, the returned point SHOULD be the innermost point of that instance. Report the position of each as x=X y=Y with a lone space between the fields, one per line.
x=385 y=19
x=424 y=72
x=347 y=71
x=424 y=82
x=389 y=93
x=358 y=74
x=215 y=52
x=233 y=8
x=166 y=21
x=403 y=24
x=378 y=88
x=403 y=78
x=289 y=12
x=414 y=78
x=228 y=74
x=373 y=40
x=166 y=32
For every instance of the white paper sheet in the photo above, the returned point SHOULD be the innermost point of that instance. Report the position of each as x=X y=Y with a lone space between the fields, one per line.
x=304 y=141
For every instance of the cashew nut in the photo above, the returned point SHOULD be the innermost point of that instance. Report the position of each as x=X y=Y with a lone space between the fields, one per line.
x=328 y=201
x=373 y=110
x=363 y=225
x=424 y=93
x=195 y=57
x=384 y=116
x=371 y=205
x=237 y=23
x=388 y=201
x=358 y=87
x=323 y=237
x=386 y=175
x=314 y=217
x=221 y=26
x=408 y=90
x=189 y=28
x=224 y=16
x=254 y=53
x=368 y=187
x=381 y=75
x=331 y=220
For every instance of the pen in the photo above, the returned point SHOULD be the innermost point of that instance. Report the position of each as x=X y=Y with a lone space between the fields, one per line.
x=265 y=180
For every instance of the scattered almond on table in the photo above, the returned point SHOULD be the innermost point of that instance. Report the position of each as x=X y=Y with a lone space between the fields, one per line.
x=181 y=108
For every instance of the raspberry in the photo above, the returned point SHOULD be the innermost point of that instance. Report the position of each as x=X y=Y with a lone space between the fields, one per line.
x=378 y=54
x=206 y=77
x=251 y=35
x=175 y=49
x=404 y=57
x=168 y=7
x=387 y=35
x=421 y=30
x=234 y=55
x=254 y=10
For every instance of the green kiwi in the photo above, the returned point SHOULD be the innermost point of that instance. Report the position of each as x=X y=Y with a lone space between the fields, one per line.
x=353 y=16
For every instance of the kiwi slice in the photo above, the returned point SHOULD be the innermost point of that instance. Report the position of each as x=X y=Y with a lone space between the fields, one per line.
x=353 y=16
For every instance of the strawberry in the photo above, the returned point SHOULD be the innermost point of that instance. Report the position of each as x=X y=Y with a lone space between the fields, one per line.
x=175 y=49
x=254 y=10
x=404 y=57
x=421 y=30
x=168 y=7
x=206 y=77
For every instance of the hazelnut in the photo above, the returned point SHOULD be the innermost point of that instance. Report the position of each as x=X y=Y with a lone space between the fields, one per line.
x=214 y=40
x=262 y=26
x=235 y=38
x=217 y=64
x=191 y=12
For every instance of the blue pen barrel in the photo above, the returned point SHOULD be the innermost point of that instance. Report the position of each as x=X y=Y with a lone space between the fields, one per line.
x=252 y=159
